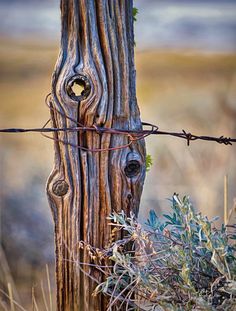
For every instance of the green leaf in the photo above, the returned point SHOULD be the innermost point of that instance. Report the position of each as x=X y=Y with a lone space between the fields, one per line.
x=152 y=221
x=172 y=221
x=135 y=13
x=149 y=162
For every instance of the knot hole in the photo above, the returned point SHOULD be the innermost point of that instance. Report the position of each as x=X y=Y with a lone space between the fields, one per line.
x=133 y=168
x=78 y=88
x=60 y=188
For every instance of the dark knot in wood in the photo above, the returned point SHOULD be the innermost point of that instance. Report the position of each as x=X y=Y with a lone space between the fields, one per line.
x=78 y=87
x=133 y=168
x=60 y=188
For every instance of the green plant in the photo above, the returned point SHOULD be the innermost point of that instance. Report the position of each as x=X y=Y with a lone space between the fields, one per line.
x=149 y=162
x=177 y=262
x=135 y=13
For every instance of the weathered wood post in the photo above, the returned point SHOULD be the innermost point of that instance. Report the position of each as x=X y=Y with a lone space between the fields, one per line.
x=97 y=53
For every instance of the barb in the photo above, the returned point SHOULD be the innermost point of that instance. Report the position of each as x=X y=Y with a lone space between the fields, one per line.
x=132 y=135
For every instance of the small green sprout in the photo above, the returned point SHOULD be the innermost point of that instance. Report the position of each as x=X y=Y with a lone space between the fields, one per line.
x=149 y=162
x=135 y=13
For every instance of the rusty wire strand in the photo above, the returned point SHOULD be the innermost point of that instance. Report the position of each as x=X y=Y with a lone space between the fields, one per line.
x=132 y=135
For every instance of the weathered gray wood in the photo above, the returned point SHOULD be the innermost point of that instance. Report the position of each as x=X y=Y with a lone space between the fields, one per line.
x=97 y=49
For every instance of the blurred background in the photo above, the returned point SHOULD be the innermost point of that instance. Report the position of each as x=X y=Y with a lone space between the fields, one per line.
x=186 y=79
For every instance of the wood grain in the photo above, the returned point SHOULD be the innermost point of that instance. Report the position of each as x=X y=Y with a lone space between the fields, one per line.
x=97 y=50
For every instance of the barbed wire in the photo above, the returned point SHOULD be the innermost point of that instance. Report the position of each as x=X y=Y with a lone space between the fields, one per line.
x=132 y=135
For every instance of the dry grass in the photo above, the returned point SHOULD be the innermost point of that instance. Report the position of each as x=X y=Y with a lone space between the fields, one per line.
x=40 y=300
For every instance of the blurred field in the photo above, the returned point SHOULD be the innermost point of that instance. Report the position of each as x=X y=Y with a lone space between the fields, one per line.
x=176 y=90
x=195 y=92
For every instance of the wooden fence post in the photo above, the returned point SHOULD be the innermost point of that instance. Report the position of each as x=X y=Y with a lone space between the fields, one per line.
x=97 y=55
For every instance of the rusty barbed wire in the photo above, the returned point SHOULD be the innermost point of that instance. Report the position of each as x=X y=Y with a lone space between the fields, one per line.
x=132 y=135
